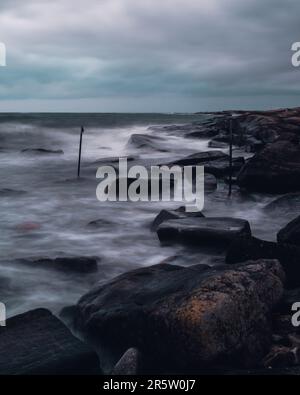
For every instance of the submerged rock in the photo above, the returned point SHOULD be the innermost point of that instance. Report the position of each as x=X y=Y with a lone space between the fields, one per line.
x=217 y=144
x=194 y=316
x=67 y=264
x=199 y=231
x=285 y=204
x=42 y=151
x=276 y=169
x=38 y=343
x=100 y=223
x=7 y=192
x=290 y=234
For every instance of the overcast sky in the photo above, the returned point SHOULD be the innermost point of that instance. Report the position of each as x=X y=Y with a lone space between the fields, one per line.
x=148 y=55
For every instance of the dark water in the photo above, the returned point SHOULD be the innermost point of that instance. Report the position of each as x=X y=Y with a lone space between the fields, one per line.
x=45 y=211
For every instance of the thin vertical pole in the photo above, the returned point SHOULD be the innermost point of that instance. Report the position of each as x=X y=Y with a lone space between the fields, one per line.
x=230 y=157
x=79 y=156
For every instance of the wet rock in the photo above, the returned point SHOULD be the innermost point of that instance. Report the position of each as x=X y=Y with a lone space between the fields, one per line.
x=291 y=137
x=200 y=158
x=276 y=169
x=224 y=138
x=146 y=141
x=67 y=315
x=210 y=183
x=99 y=223
x=253 y=145
x=214 y=162
x=37 y=343
x=42 y=151
x=113 y=160
x=165 y=215
x=290 y=234
x=282 y=357
x=67 y=264
x=129 y=364
x=200 y=231
x=11 y=192
x=245 y=248
x=202 y=133
x=217 y=144
x=187 y=316
x=220 y=168
x=195 y=130
x=285 y=204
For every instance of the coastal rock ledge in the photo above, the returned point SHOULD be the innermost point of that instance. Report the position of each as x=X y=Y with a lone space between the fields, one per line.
x=197 y=317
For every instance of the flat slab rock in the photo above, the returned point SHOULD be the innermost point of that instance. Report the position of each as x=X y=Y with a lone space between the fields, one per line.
x=195 y=316
x=37 y=342
x=199 y=230
x=200 y=158
x=165 y=215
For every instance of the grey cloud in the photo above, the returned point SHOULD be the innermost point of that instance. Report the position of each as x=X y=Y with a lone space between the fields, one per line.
x=199 y=53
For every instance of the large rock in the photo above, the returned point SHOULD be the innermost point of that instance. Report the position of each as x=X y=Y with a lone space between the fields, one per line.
x=165 y=215
x=276 y=169
x=245 y=248
x=290 y=234
x=194 y=316
x=37 y=342
x=146 y=141
x=202 y=230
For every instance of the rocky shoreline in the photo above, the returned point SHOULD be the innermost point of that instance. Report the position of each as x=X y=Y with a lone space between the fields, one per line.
x=233 y=318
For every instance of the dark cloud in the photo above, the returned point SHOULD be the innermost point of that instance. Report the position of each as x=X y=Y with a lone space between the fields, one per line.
x=133 y=54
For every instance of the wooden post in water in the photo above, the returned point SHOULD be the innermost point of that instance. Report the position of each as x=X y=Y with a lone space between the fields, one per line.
x=230 y=155
x=79 y=156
